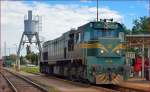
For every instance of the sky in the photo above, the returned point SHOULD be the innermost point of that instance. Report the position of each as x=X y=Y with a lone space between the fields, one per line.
x=59 y=16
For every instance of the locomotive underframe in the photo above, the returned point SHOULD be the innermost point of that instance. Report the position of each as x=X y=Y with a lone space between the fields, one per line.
x=72 y=69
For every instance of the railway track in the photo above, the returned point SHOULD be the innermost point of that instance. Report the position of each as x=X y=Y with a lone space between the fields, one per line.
x=22 y=84
x=76 y=85
x=68 y=83
x=63 y=85
x=5 y=85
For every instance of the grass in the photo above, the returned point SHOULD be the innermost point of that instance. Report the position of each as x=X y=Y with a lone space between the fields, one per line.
x=33 y=69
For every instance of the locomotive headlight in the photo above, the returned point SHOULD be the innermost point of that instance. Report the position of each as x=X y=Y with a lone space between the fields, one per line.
x=118 y=51
x=102 y=51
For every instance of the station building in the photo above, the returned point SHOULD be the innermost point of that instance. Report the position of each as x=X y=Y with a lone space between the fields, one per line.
x=140 y=43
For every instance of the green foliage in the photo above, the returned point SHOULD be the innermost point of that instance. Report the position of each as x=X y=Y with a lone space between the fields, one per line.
x=127 y=31
x=130 y=50
x=28 y=49
x=22 y=60
x=32 y=57
x=32 y=69
x=141 y=25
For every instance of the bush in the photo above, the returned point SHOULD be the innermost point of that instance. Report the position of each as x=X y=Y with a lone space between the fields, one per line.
x=28 y=69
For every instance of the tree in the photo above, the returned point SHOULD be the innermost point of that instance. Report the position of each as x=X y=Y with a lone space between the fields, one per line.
x=13 y=57
x=127 y=31
x=32 y=57
x=22 y=60
x=141 y=25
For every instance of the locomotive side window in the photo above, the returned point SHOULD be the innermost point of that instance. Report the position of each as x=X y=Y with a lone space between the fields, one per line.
x=82 y=37
x=86 y=36
x=49 y=49
x=78 y=37
x=121 y=36
x=71 y=42
x=54 y=48
x=45 y=56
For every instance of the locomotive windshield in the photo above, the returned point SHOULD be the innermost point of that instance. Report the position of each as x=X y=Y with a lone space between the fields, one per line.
x=104 y=33
x=105 y=25
x=105 y=29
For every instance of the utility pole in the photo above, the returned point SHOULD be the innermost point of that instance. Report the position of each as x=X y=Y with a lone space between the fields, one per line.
x=97 y=10
x=5 y=48
x=9 y=52
x=0 y=45
x=149 y=7
x=16 y=48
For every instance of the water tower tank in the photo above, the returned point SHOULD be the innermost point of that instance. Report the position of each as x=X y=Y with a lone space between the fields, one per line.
x=30 y=26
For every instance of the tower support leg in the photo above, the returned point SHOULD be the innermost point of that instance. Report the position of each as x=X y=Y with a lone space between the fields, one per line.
x=21 y=42
x=18 y=53
x=39 y=46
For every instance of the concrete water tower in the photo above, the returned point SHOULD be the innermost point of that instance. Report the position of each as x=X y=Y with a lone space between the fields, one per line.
x=32 y=26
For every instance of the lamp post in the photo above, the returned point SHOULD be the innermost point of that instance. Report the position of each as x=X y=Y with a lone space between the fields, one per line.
x=143 y=59
x=0 y=44
x=15 y=47
x=16 y=51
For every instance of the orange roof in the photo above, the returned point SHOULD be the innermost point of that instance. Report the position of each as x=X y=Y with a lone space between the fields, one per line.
x=138 y=40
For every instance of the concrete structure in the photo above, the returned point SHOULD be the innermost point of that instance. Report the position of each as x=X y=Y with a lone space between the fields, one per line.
x=32 y=26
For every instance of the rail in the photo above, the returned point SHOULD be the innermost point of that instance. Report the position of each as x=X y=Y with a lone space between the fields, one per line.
x=26 y=80
x=9 y=82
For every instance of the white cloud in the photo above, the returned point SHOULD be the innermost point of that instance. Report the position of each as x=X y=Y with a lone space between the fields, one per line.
x=56 y=19
x=132 y=14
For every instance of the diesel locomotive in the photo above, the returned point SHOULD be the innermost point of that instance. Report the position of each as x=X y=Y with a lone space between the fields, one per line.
x=93 y=52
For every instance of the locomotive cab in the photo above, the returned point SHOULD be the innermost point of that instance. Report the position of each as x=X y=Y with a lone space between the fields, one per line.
x=103 y=47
